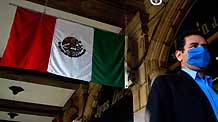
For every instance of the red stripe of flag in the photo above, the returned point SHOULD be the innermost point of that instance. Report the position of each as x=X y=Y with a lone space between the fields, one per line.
x=30 y=41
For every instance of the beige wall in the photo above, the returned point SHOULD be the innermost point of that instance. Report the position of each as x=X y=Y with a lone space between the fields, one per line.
x=7 y=14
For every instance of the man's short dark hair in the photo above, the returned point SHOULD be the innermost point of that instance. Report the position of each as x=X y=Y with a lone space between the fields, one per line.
x=180 y=41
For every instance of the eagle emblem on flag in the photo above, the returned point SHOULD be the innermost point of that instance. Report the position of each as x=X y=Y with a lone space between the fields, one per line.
x=71 y=47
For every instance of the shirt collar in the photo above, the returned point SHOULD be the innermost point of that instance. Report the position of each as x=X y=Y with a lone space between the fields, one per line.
x=194 y=74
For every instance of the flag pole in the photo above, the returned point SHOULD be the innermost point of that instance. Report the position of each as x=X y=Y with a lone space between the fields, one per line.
x=126 y=85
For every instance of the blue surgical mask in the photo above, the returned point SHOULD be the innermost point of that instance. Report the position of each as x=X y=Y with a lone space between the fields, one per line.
x=198 y=57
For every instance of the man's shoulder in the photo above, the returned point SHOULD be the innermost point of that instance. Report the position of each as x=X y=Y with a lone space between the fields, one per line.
x=173 y=75
x=169 y=79
x=168 y=76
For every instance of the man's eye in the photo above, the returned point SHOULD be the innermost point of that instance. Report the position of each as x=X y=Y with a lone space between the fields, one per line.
x=193 y=45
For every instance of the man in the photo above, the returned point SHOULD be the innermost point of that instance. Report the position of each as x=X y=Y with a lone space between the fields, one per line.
x=186 y=96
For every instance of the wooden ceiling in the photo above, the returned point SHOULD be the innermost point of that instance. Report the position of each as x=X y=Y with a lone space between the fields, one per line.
x=113 y=12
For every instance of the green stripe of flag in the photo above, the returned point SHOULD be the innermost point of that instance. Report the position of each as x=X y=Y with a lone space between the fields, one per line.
x=108 y=58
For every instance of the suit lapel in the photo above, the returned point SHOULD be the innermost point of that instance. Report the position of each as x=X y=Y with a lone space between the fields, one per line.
x=196 y=90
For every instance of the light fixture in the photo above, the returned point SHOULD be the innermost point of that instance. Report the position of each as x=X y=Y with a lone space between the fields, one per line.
x=16 y=89
x=156 y=2
x=12 y=115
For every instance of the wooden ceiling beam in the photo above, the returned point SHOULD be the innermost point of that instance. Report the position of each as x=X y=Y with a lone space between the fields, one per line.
x=39 y=78
x=7 y=121
x=126 y=5
x=112 y=12
x=29 y=108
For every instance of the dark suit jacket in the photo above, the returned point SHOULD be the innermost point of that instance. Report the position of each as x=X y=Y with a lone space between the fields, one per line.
x=178 y=98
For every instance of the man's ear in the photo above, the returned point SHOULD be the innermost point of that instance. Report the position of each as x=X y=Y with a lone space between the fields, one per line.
x=178 y=55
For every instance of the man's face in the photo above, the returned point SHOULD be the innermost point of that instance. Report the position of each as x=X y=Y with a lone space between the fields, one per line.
x=191 y=41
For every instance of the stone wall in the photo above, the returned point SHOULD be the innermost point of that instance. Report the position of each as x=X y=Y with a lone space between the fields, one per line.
x=153 y=43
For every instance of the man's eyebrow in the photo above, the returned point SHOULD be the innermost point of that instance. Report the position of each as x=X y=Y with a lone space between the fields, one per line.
x=194 y=43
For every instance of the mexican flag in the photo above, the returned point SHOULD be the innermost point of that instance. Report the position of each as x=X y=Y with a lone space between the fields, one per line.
x=47 y=44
